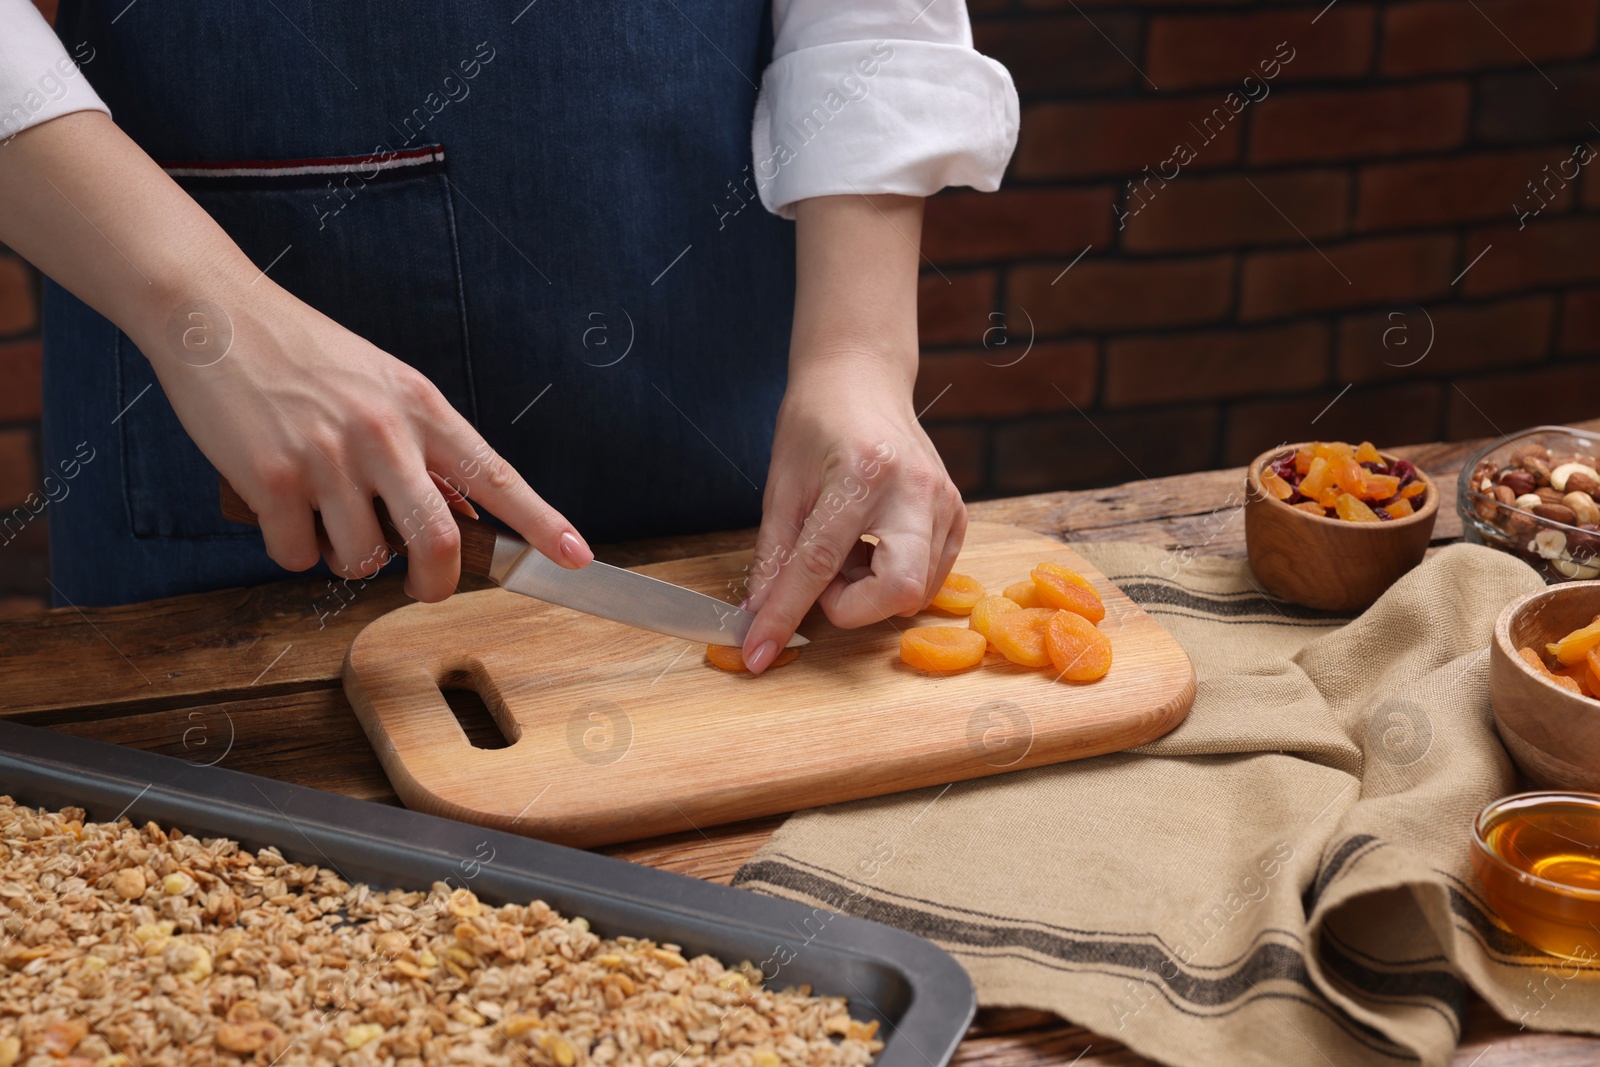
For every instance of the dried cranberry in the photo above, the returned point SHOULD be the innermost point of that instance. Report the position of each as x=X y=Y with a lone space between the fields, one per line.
x=1382 y=514
x=1405 y=471
x=1283 y=467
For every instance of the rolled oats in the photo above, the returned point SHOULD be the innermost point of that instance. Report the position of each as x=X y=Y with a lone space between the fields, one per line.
x=127 y=945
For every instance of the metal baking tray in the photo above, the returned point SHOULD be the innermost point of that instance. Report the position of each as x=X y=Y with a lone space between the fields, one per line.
x=921 y=997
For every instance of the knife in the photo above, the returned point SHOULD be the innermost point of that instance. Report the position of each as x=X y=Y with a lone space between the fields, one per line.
x=599 y=589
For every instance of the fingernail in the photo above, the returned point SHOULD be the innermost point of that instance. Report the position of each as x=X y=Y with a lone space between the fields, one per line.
x=576 y=552
x=757 y=661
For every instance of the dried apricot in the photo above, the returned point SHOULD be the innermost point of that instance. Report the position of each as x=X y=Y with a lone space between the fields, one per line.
x=1332 y=450
x=942 y=648
x=1367 y=452
x=1312 y=507
x=958 y=594
x=1349 y=475
x=1381 y=486
x=1275 y=485
x=1020 y=636
x=1302 y=460
x=1079 y=652
x=1412 y=490
x=1592 y=661
x=1352 y=510
x=1068 y=590
x=1574 y=648
x=1318 y=480
x=1400 y=509
x=1532 y=659
x=990 y=608
x=730 y=658
x=1026 y=594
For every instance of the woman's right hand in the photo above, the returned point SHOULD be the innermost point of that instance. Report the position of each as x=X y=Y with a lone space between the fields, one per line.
x=302 y=415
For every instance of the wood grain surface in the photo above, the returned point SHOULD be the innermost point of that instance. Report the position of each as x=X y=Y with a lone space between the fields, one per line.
x=611 y=727
x=262 y=666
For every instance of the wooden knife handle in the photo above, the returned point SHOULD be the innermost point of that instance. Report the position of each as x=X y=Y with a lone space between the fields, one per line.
x=477 y=539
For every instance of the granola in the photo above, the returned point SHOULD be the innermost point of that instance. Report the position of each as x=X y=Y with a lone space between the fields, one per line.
x=124 y=946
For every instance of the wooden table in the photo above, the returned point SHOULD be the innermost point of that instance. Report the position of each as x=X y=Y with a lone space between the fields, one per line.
x=261 y=666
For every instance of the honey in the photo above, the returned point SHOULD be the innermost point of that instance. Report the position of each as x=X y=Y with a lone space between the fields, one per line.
x=1538 y=857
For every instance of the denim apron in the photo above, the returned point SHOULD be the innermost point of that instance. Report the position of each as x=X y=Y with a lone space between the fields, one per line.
x=546 y=208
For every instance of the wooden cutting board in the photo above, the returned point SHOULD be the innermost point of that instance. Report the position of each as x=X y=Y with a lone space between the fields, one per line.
x=619 y=734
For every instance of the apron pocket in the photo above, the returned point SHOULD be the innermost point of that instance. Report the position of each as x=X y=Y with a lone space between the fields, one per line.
x=370 y=241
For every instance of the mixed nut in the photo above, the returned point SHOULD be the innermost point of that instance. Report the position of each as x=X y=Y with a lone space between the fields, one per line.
x=1561 y=489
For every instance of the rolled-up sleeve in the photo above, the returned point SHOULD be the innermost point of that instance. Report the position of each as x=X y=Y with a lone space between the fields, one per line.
x=38 y=80
x=886 y=96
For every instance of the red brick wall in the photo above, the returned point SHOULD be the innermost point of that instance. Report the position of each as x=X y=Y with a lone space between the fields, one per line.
x=1315 y=241
x=1199 y=318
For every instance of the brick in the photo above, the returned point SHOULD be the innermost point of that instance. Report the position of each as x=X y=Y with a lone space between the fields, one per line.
x=1505 y=403
x=1434 y=192
x=1303 y=127
x=953 y=309
x=1033 y=50
x=1547 y=252
x=18 y=467
x=19 y=302
x=1079 y=451
x=1015 y=223
x=1196 y=213
x=1100 y=295
x=1386 y=415
x=1068 y=140
x=1580 y=322
x=1002 y=382
x=1435 y=36
x=1186 y=51
x=1380 y=271
x=965 y=451
x=1167 y=368
x=20 y=363
x=1401 y=343
x=1520 y=107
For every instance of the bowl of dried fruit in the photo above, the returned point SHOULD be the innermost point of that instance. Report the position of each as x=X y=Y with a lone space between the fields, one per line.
x=1332 y=525
x=1535 y=494
x=1544 y=674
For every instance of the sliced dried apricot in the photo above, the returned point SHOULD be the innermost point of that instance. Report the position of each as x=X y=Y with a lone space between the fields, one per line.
x=1367 y=452
x=1352 y=510
x=1079 y=652
x=1592 y=662
x=1020 y=636
x=1349 y=475
x=1415 y=489
x=1312 y=507
x=1302 y=460
x=958 y=594
x=1381 y=486
x=1574 y=648
x=1318 y=480
x=942 y=648
x=1275 y=485
x=1532 y=659
x=1400 y=509
x=730 y=658
x=990 y=608
x=1026 y=594
x=1068 y=590
x=1332 y=450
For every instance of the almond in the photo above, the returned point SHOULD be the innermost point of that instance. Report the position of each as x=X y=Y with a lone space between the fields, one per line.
x=1557 y=513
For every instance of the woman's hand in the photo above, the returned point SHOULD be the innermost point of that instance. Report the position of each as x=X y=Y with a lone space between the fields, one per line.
x=849 y=457
x=301 y=415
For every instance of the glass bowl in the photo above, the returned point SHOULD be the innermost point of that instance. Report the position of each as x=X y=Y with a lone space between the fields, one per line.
x=1538 y=858
x=1560 y=551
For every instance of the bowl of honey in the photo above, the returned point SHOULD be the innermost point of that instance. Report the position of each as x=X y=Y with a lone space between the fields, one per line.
x=1538 y=858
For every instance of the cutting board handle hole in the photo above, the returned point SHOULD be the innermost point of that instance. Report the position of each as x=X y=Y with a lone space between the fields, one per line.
x=462 y=691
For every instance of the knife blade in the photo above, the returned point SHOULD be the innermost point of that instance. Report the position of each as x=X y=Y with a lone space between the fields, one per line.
x=599 y=589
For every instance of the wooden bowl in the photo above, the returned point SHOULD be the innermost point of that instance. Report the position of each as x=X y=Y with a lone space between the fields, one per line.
x=1329 y=563
x=1553 y=734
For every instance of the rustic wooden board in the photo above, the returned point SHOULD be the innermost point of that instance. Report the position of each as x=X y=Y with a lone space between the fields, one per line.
x=621 y=734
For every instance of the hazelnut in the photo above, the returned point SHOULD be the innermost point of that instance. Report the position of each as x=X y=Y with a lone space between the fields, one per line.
x=1551 y=544
x=1556 y=513
x=1583 y=506
x=1519 y=482
x=1579 y=482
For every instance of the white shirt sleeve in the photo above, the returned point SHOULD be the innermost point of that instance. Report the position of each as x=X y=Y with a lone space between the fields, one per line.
x=38 y=80
x=886 y=96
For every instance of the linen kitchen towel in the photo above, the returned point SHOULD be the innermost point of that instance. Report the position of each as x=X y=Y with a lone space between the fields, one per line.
x=1283 y=879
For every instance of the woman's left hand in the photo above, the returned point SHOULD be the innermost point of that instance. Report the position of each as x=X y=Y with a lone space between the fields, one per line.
x=849 y=459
